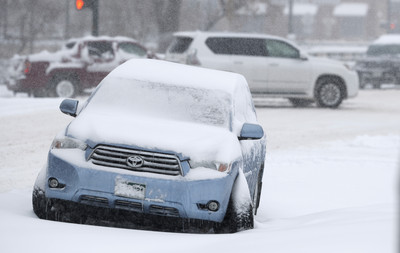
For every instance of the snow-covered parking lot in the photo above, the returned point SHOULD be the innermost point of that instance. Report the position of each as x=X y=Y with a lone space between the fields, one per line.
x=330 y=184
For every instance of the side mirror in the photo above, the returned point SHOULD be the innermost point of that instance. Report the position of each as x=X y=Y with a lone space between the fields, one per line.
x=69 y=107
x=251 y=132
x=303 y=56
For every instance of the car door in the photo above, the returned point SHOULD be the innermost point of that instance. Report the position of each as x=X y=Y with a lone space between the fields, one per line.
x=101 y=60
x=287 y=72
x=242 y=55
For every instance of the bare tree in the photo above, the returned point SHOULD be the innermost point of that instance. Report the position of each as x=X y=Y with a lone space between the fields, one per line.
x=167 y=13
x=228 y=8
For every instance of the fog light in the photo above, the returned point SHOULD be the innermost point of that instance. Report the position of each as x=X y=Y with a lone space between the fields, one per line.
x=53 y=182
x=213 y=205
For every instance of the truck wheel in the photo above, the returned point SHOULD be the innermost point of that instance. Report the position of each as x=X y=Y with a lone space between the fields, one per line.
x=329 y=93
x=65 y=87
x=40 y=92
x=298 y=102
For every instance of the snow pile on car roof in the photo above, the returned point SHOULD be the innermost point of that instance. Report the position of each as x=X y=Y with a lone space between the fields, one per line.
x=388 y=39
x=157 y=71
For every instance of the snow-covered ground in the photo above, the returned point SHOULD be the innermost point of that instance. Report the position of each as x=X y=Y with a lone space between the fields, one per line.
x=330 y=185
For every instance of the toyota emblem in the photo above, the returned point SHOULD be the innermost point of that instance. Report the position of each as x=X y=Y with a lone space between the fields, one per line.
x=134 y=161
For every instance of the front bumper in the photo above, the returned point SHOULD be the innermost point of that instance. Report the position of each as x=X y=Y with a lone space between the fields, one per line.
x=352 y=83
x=16 y=85
x=377 y=76
x=172 y=196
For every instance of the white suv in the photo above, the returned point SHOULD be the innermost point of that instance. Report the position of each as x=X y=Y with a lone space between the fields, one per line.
x=273 y=66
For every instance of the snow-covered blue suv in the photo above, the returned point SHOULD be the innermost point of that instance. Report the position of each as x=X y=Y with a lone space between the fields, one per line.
x=158 y=138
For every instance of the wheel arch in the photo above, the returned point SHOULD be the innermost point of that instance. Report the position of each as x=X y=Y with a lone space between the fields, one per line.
x=339 y=80
x=59 y=75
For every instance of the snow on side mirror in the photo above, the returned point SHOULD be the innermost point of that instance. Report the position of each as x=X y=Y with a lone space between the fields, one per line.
x=251 y=132
x=69 y=107
x=303 y=56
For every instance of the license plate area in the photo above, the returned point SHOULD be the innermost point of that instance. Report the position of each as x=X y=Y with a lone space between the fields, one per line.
x=127 y=189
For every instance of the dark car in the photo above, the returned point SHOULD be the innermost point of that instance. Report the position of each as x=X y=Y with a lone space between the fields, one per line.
x=381 y=65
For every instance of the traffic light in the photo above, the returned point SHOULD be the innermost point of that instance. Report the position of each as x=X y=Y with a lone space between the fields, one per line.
x=94 y=6
x=82 y=4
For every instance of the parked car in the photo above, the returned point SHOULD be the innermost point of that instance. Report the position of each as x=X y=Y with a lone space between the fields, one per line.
x=273 y=66
x=81 y=64
x=184 y=142
x=381 y=64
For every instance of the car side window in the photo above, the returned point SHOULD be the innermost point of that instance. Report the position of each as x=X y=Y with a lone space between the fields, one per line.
x=180 y=45
x=281 y=49
x=237 y=46
x=132 y=48
x=100 y=50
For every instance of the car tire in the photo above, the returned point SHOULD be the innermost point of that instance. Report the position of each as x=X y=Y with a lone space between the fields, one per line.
x=299 y=102
x=65 y=87
x=40 y=92
x=39 y=203
x=257 y=192
x=376 y=85
x=329 y=93
x=238 y=217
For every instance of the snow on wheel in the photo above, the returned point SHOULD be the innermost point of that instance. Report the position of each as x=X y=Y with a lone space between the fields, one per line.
x=39 y=203
x=65 y=88
x=239 y=215
x=298 y=102
x=257 y=192
x=329 y=93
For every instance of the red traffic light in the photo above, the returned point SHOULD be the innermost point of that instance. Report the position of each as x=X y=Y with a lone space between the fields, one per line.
x=82 y=4
x=79 y=4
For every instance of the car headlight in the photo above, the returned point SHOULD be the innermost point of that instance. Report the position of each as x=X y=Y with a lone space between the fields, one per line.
x=222 y=167
x=68 y=143
x=349 y=66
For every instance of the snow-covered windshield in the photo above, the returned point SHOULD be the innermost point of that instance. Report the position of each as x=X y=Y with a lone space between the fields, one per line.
x=144 y=99
x=377 y=50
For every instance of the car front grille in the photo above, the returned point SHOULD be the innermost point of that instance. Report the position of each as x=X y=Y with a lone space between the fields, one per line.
x=129 y=205
x=164 y=211
x=94 y=200
x=378 y=64
x=151 y=162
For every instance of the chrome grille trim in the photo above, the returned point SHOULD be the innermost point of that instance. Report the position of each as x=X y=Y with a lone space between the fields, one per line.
x=164 y=211
x=94 y=200
x=129 y=205
x=116 y=157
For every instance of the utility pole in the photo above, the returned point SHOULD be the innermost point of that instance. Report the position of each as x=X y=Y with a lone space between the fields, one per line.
x=94 y=6
x=95 y=23
x=389 y=16
x=290 y=21
x=67 y=20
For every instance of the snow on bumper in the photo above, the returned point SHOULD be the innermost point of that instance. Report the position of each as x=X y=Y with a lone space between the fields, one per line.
x=352 y=83
x=178 y=196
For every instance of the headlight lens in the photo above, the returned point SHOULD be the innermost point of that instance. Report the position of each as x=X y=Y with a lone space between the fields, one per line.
x=68 y=143
x=222 y=167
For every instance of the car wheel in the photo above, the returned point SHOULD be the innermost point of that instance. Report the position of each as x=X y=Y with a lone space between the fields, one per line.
x=376 y=85
x=257 y=192
x=239 y=215
x=39 y=203
x=329 y=93
x=298 y=102
x=65 y=87
x=40 y=92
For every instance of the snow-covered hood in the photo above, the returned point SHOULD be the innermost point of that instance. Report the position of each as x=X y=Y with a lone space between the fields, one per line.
x=196 y=141
x=325 y=61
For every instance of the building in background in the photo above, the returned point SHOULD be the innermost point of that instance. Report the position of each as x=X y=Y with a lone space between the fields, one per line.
x=350 y=20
